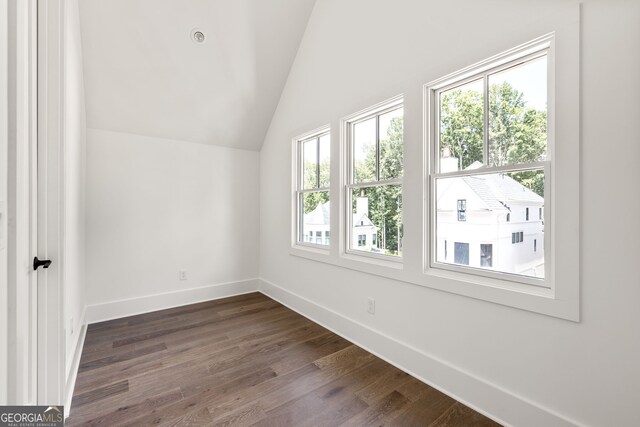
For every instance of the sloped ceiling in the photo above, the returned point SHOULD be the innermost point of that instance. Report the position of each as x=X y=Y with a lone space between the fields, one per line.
x=145 y=75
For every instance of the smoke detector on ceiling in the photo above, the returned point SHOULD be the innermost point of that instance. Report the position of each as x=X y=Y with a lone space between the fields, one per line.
x=197 y=35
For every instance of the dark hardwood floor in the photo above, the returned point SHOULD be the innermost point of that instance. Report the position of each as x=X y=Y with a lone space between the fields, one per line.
x=243 y=361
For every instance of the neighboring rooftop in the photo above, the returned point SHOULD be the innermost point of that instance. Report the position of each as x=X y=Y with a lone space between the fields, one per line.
x=499 y=190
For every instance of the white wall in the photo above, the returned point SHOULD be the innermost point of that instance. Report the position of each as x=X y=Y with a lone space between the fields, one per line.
x=156 y=206
x=73 y=268
x=357 y=53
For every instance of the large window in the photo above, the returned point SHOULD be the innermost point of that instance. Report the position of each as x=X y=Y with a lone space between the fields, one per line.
x=374 y=181
x=312 y=189
x=489 y=163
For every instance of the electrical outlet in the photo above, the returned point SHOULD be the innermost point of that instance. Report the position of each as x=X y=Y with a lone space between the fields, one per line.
x=183 y=274
x=71 y=326
x=371 y=307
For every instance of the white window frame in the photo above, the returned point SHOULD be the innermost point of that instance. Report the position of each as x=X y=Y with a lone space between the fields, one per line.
x=297 y=239
x=347 y=125
x=558 y=294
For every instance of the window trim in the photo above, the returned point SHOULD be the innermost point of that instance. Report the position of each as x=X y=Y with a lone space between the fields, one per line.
x=348 y=181
x=297 y=180
x=472 y=276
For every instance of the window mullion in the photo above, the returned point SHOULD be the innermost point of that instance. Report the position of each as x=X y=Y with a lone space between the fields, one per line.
x=485 y=142
x=377 y=148
x=318 y=162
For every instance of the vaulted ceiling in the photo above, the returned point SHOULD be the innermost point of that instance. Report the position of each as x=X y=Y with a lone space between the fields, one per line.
x=144 y=73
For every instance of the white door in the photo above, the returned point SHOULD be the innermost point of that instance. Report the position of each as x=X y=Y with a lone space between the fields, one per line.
x=32 y=368
x=22 y=281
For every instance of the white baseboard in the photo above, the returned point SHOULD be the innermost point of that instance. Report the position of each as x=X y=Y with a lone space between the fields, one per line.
x=72 y=371
x=132 y=306
x=489 y=399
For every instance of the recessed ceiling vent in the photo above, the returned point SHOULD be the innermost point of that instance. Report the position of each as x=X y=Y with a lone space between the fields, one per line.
x=197 y=35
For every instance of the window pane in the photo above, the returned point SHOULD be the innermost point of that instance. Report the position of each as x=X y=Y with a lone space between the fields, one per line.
x=377 y=220
x=495 y=225
x=461 y=253
x=391 y=154
x=325 y=160
x=315 y=218
x=364 y=151
x=461 y=127
x=310 y=164
x=486 y=255
x=518 y=114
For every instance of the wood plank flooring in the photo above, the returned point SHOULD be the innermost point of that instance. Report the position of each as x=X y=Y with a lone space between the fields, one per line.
x=242 y=361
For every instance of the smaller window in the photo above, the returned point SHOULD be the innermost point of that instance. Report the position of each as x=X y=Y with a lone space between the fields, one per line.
x=462 y=210
x=312 y=156
x=326 y=237
x=374 y=239
x=517 y=237
x=527 y=214
x=540 y=213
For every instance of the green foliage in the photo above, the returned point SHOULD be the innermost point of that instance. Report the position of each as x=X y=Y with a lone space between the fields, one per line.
x=461 y=125
x=310 y=181
x=310 y=175
x=533 y=180
x=365 y=170
x=391 y=151
x=517 y=133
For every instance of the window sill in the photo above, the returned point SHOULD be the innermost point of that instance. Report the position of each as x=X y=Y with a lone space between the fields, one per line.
x=516 y=295
x=310 y=248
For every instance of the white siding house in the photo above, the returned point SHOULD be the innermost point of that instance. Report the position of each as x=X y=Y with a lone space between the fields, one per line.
x=363 y=237
x=316 y=225
x=490 y=221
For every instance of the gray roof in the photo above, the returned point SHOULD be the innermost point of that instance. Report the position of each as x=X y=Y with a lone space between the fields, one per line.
x=320 y=215
x=364 y=219
x=498 y=190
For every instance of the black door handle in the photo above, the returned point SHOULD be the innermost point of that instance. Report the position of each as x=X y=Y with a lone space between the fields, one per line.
x=45 y=263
